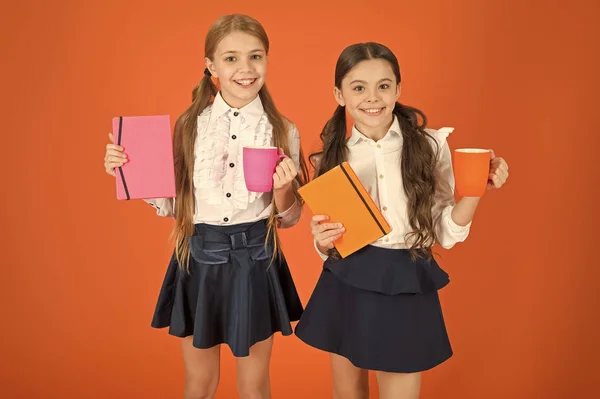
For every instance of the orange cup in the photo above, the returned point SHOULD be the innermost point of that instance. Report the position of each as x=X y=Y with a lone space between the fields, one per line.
x=471 y=171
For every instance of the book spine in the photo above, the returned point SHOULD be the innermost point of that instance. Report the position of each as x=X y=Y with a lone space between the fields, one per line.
x=120 y=168
x=363 y=200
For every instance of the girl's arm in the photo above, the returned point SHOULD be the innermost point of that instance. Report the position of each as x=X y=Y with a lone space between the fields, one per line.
x=454 y=219
x=284 y=181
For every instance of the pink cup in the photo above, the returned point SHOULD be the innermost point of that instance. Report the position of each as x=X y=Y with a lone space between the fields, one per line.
x=259 y=167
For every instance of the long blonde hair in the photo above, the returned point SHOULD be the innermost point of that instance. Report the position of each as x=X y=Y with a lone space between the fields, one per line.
x=186 y=132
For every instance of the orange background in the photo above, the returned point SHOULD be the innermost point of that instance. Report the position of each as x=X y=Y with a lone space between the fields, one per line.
x=81 y=271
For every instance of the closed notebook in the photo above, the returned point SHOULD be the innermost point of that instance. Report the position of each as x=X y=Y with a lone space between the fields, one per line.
x=150 y=172
x=340 y=195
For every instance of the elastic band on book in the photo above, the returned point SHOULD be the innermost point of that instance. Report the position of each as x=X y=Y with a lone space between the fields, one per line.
x=363 y=199
x=120 y=168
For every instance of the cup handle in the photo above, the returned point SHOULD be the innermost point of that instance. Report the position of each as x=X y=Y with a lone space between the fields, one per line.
x=281 y=155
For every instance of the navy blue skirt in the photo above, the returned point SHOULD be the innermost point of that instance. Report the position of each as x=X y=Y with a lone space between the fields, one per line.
x=379 y=309
x=233 y=293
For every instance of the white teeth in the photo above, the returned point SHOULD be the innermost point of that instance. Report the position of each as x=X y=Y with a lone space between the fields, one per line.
x=373 y=111
x=245 y=82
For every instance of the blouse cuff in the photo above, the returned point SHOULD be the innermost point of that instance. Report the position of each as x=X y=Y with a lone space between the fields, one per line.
x=321 y=254
x=451 y=233
x=163 y=206
x=290 y=216
x=455 y=229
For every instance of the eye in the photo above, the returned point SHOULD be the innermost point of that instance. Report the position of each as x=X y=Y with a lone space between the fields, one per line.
x=384 y=86
x=230 y=59
x=256 y=57
x=358 y=88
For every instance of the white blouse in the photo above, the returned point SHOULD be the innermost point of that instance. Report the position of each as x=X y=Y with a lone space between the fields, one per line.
x=378 y=166
x=219 y=187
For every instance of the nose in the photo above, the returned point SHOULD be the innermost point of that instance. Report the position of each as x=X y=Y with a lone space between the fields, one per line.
x=244 y=65
x=372 y=96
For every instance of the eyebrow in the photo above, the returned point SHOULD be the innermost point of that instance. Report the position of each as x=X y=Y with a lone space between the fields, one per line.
x=364 y=82
x=237 y=52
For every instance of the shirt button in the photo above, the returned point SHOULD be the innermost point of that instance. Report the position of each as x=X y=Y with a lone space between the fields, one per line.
x=226 y=220
x=381 y=176
x=236 y=113
x=234 y=137
x=378 y=145
x=384 y=208
x=231 y=165
x=228 y=195
x=386 y=239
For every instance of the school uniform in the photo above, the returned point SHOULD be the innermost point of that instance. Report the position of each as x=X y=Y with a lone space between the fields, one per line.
x=232 y=294
x=377 y=307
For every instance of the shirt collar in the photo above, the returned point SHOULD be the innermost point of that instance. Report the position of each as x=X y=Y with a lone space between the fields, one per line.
x=394 y=133
x=251 y=112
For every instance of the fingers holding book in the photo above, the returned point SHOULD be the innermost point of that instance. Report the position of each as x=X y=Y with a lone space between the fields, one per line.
x=114 y=156
x=325 y=233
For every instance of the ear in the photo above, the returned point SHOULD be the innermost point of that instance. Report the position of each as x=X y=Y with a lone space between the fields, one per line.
x=337 y=93
x=211 y=67
x=398 y=91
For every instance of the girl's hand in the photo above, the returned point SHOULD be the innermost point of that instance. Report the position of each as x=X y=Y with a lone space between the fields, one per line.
x=498 y=172
x=325 y=233
x=284 y=175
x=114 y=156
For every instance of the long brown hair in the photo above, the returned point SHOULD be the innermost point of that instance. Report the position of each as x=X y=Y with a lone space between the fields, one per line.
x=186 y=133
x=418 y=155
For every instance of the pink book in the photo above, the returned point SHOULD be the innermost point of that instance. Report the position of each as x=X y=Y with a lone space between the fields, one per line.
x=150 y=172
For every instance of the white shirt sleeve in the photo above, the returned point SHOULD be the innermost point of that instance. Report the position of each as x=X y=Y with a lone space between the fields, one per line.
x=447 y=231
x=164 y=206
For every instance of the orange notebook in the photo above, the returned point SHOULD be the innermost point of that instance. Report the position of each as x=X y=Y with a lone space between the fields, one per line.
x=340 y=195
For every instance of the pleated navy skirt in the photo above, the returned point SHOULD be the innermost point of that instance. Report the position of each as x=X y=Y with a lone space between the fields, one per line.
x=233 y=293
x=379 y=309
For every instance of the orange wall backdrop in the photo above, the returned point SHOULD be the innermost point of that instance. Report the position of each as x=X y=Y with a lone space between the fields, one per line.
x=80 y=271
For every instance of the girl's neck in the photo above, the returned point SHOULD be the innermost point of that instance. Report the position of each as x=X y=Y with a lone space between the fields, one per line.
x=235 y=102
x=375 y=133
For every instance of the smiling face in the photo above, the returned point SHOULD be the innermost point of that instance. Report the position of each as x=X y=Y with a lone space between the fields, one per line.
x=240 y=64
x=369 y=92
